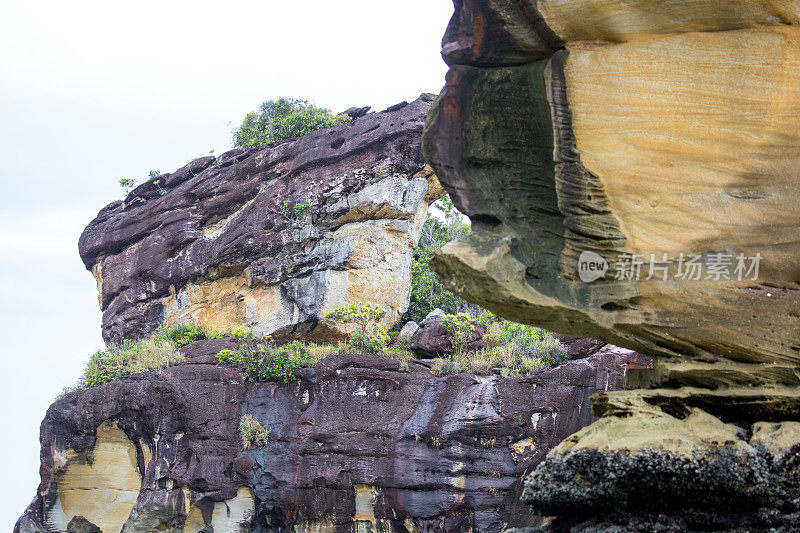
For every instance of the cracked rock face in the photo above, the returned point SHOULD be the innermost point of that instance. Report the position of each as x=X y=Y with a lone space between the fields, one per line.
x=356 y=443
x=212 y=243
x=626 y=166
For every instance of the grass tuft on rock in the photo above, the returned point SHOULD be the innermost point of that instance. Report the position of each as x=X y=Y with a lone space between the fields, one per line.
x=155 y=353
x=252 y=432
x=510 y=349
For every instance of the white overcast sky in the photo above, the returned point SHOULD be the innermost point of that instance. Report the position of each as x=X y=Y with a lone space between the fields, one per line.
x=92 y=91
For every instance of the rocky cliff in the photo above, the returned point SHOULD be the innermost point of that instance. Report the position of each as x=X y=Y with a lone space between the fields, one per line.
x=631 y=170
x=660 y=136
x=355 y=444
x=269 y=238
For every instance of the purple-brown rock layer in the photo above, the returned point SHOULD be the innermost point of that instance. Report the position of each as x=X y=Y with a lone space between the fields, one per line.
x=228 y=242
x=355 y=441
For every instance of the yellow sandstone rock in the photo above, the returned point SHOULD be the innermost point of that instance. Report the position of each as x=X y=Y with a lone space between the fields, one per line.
x=101 y=484
x=232 y=516
x=616 y=21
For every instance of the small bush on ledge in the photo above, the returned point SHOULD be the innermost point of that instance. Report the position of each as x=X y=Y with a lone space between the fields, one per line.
x=369 y=336
x=157 y=352
x=510 y=349
x=258 y=359
x=253 y=433
x=283 y=119
x=460 y=330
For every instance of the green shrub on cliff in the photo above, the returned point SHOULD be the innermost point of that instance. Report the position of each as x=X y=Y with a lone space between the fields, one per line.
x=151 y=354
x=184 y=334
x=460 y=330
x=510 y=349
x=526 y=341
x=252 y=432
x=369 y=336
x=282 y=119
x=259 y=359
x=148 y=355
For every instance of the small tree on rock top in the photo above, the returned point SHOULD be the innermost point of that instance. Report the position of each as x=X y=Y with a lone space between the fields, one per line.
x=369 y=336
x=460 y=330
x=281 y=119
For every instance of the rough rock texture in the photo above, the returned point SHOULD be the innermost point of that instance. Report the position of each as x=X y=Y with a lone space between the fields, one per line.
x=211 y=242
x=631 y=138
x=432 y=340
x=660 y=141
x=408 y=330
x=355 y=444
x=581 y=348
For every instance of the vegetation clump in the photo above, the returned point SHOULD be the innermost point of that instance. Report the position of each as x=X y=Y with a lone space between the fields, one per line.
x=283 y=118
x=427 y=290
x=460 y=331
x=259 y=359
x=296 y=211
x=155 y=353
x=510 y=349
x=184 y=334
x=369 y=336
x=253 y=433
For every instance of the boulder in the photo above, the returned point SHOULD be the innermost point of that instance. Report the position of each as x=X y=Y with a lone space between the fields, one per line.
x=434 y=316
x=408 y=330
x=79 y=524
x=631 y=171
x=357 y=112
x=432 y=339
x=269 y=238
x=357 y=443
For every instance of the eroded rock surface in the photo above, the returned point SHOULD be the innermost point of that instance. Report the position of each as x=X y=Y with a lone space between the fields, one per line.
x=431 y=338
x=658 y=142
x=212 y=243
x=659 y=130
x=355 y=443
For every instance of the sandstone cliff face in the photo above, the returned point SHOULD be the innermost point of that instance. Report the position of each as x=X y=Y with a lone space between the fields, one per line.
x=652 y=130
x=660 y=141
x=212 y=244
x=355 y=444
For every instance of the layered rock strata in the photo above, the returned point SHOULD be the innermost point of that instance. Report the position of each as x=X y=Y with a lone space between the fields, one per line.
x=357 y=443
x=631 y=171
x=269 y=238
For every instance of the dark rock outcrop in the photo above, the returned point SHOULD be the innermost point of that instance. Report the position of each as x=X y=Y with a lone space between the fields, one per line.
x=432 y=339
x=649 y=490
x=578 y=348
x=355 y=442
x=79 y=524
x=269 y=238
